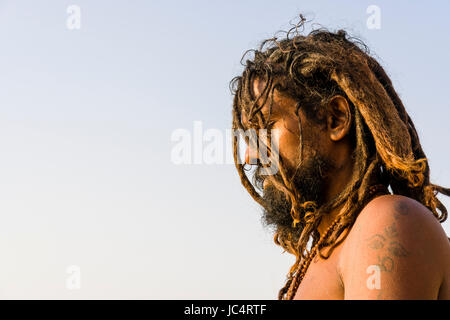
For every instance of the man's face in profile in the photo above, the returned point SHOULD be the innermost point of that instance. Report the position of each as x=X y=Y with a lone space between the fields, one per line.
x=308 y=175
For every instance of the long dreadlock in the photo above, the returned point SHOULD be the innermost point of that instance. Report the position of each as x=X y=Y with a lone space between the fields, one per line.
x=313 y=68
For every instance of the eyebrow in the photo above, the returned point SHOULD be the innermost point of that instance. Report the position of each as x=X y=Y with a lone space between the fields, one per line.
x=265 y=108
x=251 y=85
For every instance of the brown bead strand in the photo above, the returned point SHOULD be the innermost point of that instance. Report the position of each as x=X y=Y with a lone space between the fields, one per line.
x=301 y=270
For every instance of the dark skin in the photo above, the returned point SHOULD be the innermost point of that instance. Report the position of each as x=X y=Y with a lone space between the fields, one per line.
x=332 y=141
x=394 y=238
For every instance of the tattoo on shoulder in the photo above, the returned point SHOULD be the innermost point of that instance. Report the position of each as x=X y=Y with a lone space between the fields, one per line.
x=376 y=242
x=386 y=264
x=391 y=231
x=393 y=248
x=401 y=209
x=397 y=249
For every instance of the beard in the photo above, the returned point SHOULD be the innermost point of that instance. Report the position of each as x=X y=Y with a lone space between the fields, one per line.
x=309 y=181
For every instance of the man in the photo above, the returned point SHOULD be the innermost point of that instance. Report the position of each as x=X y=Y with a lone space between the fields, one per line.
x=352 y=197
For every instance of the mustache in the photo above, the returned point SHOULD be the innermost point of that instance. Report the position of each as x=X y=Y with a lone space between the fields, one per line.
x=259 y=177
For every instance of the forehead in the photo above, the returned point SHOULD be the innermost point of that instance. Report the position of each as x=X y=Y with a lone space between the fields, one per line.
x=257 y=86
x=282 y=103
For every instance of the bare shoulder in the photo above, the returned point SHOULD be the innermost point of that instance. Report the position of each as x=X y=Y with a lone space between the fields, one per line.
x=403 y=239
x=399 y=219
x=410 y=219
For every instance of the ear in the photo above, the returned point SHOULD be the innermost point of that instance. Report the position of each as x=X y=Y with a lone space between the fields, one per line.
x=339 y=118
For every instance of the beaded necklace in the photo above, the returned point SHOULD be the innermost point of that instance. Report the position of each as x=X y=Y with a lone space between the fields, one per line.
x=301 y=270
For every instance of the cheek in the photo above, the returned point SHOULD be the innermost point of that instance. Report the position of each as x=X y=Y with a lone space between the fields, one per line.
x=288 y=141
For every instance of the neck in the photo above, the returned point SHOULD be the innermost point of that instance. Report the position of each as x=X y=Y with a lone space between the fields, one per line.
x=341 y=177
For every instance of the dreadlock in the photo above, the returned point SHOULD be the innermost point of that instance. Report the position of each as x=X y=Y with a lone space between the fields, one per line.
x=312 y=69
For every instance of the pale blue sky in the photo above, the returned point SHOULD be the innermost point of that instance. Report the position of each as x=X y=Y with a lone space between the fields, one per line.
x=86 y=118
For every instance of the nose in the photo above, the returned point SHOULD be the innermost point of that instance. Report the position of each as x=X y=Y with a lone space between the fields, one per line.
x=251 y=156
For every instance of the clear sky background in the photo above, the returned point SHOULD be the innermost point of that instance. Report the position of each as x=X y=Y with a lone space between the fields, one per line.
x=86 y=118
